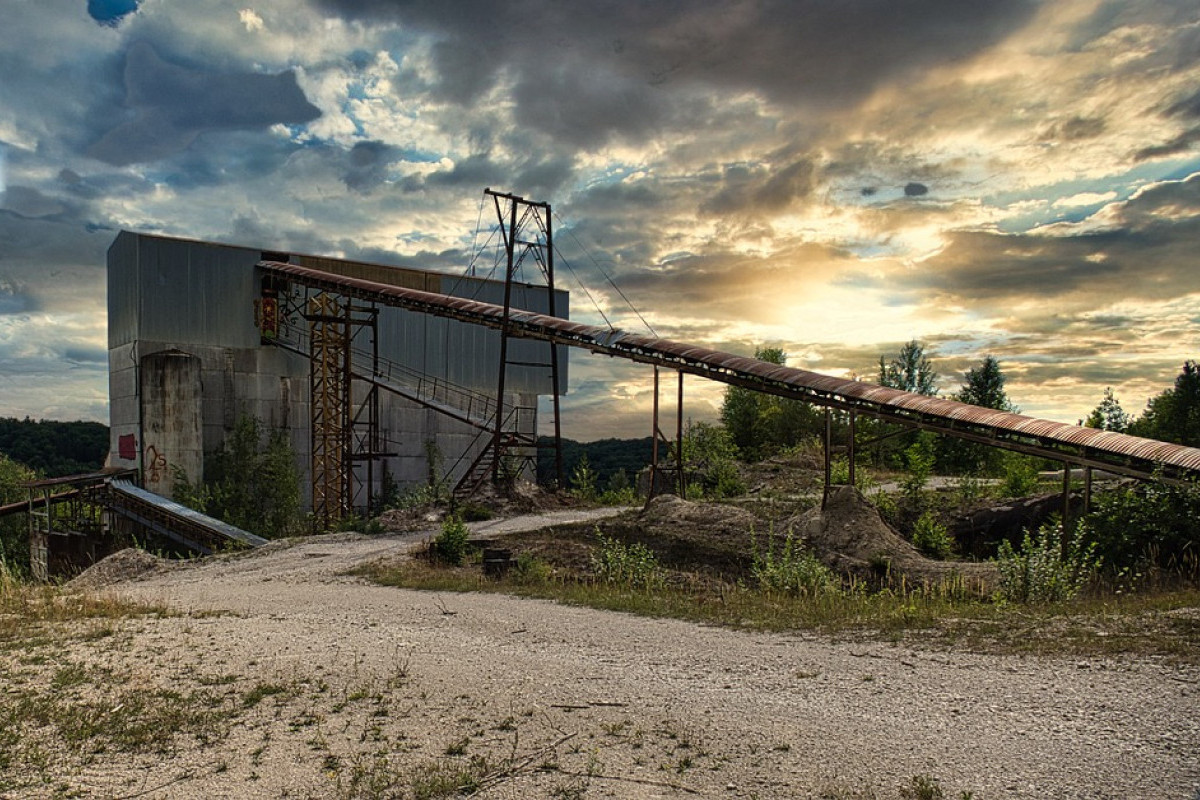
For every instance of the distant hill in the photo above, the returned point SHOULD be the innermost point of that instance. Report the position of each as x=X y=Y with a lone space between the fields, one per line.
x=606 y=457
x=54 y=448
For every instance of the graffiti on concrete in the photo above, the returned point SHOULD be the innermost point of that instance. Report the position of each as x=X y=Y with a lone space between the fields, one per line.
x=155 y=466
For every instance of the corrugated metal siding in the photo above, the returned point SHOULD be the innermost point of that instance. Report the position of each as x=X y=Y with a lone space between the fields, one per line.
x=122 y=290
x=196 y=293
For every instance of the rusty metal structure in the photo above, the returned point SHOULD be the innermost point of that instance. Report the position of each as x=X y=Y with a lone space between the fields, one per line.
x=1072 y=445
x=74 y=521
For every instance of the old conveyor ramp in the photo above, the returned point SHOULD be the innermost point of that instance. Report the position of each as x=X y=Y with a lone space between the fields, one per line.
x=1070 y=444
x=180 y=524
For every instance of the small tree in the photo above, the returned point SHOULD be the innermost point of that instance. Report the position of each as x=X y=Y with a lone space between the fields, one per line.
x=1108 y=416
x=911 y=370
x=710 y=457
x=982 y=386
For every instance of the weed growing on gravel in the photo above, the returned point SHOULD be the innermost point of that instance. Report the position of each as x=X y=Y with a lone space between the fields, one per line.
x=1049 y=567
x=631 y=565
x=451 y=543
x=792 y=570
x=947 y=612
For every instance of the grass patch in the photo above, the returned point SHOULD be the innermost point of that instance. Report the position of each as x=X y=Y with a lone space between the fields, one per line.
x=947 y=613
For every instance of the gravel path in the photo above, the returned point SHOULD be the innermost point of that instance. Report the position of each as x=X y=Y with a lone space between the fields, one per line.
x=587 y=703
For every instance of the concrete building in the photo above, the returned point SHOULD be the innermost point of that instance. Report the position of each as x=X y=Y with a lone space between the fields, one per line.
x=187 y=358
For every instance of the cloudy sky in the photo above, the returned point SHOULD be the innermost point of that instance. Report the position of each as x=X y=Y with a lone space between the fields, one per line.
x=833 y=178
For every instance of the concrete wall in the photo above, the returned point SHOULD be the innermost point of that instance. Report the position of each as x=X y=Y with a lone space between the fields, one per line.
x=171 y=411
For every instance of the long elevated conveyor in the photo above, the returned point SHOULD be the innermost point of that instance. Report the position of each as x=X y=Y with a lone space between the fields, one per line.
x=1071 y=444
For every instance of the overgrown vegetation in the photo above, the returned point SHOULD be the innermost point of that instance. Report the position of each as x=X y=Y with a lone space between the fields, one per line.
x=251 y=482
x=1050 y=566
x=14 y=531
x=790 y=567
x=784 y=587
x=626 y=565
x=450 y=545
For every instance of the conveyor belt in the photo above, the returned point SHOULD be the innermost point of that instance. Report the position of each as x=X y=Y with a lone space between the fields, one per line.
x=188 y=527
x=1072 y=444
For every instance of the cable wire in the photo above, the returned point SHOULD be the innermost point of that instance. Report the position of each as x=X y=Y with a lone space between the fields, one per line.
x=608 y=278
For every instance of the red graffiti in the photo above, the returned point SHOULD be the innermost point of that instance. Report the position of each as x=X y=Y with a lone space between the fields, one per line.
x=154 y=468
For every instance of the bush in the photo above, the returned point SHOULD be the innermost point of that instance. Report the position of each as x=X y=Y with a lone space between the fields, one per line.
x=531 y=569
x=1149 y=524
x=931 y=537
x=918 y=460
x=1049 y=567
x=451 y=544
x=1020 y=476
x=633 y=565
x=792 y=570
x=710 y=459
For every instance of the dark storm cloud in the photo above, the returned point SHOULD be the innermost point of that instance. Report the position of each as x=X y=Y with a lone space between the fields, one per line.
x=761 y=189
x=368 y=165
x=87 y=355
x=111 y=12
x=1075 y=129
x=1176 y=145
x=1148 y=253
x=914 y=189
x=14 y=298
x=1187 y=108
x=586 y=71
x=536 y=175
x=24 y=201
x=172 y=104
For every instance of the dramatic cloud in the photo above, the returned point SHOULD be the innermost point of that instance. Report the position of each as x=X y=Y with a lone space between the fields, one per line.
x=173 y=104
x=1014 y=178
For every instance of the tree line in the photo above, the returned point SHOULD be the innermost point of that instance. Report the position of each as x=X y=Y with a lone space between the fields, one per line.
x=760 y=425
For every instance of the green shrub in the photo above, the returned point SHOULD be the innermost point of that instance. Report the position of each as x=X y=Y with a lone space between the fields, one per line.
x=1049 y=567
x=450 y=545
x=633 y=565
x=886 y=505
x=793 y=569
x=1020 y=476
x=474 y=512
x=1146 y=525
x=583 y=481
x=931 y=537
x=620 y=497
x=918 y=461
x=531 y=569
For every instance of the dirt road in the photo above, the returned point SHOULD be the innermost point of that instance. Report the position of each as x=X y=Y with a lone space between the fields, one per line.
x=388 y=685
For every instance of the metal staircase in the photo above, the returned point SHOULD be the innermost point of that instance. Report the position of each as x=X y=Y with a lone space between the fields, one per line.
x=480 y=461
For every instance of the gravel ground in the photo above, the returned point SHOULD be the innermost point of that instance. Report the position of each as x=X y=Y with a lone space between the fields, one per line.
x=581 y=703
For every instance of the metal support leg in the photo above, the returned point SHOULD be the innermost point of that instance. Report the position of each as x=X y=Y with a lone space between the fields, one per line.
x=828 y=461
x=679 y=439
x=850 y=449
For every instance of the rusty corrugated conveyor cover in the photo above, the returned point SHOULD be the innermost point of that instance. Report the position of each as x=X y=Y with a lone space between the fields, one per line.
x=189 y=516
x=1119 y=451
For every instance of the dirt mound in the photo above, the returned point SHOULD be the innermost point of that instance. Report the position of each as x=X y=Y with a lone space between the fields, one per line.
x=850 y=536
x=667 y=513
x=122 y=565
